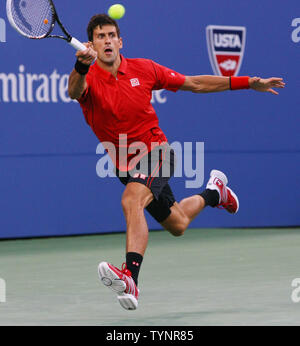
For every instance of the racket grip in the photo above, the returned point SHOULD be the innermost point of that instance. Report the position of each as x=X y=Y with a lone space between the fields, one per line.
x=77 y=44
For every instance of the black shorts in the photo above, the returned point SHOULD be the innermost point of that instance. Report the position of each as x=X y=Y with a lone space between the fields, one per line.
x=154 y=171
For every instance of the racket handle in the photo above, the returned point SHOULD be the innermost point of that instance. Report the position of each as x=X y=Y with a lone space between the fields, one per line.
x=77 y=44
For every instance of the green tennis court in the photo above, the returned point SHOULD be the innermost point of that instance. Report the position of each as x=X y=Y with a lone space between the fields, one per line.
x=206 y=277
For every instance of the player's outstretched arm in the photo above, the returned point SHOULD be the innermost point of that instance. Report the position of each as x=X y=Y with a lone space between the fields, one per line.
x=208 y=83
x=77 y=80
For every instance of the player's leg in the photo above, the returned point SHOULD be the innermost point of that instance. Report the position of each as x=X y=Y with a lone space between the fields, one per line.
x=141 y=188
x=134 y=200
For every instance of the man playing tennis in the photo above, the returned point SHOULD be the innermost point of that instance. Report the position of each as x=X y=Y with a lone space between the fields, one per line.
x=115 y=95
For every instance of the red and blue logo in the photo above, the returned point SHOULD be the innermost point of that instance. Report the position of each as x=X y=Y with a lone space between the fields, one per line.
x=226 y=46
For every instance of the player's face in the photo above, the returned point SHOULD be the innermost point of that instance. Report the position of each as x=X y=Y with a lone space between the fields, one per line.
x=107 y=43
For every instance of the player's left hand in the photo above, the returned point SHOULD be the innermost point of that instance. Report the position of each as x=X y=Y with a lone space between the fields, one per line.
x=260 y=84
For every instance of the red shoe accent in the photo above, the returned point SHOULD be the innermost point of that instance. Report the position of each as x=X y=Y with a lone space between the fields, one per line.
x=125 y=270
x=125 y=275
x=230 y=203
x=222 y=190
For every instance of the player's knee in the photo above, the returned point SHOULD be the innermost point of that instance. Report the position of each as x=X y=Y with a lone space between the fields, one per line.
x=176 y=223
x=178 y=230
x=135 y=197
x=130 y=202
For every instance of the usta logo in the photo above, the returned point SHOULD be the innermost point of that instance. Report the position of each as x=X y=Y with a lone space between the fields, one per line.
x=226 y=46
x=227 y=41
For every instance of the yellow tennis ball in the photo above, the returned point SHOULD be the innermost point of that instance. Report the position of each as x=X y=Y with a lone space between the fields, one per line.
x=116 y=11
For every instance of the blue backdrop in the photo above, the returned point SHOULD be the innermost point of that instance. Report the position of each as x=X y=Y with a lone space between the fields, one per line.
x=48 y=180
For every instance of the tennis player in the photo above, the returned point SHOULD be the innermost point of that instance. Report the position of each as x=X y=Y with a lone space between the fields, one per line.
x=115 y=94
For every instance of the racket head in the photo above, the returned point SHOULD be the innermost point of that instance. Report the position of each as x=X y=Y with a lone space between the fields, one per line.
x=33 y=19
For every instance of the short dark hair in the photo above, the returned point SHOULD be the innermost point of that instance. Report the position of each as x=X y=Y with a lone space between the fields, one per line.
x=101 y=20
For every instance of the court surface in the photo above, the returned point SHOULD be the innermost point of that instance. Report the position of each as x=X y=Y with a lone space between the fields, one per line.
x=207 y=277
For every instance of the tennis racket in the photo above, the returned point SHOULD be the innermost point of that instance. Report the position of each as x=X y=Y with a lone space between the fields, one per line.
x=35 y=19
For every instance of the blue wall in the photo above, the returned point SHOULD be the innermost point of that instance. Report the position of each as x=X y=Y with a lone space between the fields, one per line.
x=48 y=180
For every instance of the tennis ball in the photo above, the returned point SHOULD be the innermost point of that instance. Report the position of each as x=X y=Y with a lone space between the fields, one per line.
x=116 y=11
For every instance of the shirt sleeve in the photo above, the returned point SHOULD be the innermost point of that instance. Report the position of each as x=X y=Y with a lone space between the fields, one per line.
x=167 y=78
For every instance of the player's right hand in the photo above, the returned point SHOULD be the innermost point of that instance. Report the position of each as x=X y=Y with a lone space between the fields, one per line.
x=87 y=56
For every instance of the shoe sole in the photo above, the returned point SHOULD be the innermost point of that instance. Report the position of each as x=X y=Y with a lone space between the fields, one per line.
x=236 y=198
x=220 y=175
x=111 y=280
x=128 y=301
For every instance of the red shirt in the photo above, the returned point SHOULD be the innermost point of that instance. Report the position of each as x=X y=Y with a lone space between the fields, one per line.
x=121 y=106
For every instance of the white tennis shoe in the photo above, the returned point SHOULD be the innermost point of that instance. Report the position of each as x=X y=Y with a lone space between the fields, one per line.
x=228 y=199
x=121 y=282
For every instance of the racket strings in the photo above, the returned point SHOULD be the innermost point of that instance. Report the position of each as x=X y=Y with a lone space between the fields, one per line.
x=33 y=17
